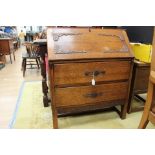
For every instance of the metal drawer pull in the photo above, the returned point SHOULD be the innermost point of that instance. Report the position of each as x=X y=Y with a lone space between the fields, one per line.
x=95 y=73
x=93 y=95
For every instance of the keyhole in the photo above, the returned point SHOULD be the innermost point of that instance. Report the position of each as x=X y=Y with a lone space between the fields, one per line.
x=93 y=80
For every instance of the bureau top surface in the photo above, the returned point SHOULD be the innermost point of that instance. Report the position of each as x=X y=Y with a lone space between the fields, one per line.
x=83 y=43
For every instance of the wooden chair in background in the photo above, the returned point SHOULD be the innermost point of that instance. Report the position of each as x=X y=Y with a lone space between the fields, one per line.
x=30 y=57
x=149 y=109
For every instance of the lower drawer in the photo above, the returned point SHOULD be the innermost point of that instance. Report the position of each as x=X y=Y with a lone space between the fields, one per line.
x=74 y=96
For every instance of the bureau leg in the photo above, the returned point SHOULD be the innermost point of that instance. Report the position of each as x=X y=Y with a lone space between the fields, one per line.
x=131 y=89
x=123 y=111
x=55 y=118
x=129 y=108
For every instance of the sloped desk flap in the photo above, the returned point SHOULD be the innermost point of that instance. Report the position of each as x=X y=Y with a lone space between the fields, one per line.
x=78 y=43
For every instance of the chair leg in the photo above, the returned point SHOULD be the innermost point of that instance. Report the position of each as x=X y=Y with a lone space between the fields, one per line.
x=37 y=63
x=25 y=64
x=144 y=120
x=14 y=55
x=10 y=58
x=24 y=67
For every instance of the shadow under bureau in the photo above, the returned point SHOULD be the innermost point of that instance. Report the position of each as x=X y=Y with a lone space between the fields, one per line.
x=89 y=69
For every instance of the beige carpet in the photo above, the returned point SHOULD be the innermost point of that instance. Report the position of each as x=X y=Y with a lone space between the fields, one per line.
x=31 y=114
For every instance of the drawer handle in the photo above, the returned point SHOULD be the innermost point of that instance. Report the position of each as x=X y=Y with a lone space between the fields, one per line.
x=94 y=73
x=93 y=95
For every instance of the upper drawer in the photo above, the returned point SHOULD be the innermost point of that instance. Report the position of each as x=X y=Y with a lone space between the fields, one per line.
x=77 y=73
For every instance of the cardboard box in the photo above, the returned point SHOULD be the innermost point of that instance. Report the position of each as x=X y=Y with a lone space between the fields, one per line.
x=142 y=52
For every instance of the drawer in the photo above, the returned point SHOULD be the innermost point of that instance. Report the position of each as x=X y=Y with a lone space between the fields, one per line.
x=74 y=73
x=74 y=96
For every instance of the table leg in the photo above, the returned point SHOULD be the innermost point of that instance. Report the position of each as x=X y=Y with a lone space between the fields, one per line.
x=10 y=58
x=14 y=55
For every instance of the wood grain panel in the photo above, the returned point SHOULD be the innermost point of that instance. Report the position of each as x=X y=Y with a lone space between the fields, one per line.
x=73 y=73
x=89 y=94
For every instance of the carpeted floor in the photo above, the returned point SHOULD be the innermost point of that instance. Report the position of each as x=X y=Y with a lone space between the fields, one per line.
x=31 y=114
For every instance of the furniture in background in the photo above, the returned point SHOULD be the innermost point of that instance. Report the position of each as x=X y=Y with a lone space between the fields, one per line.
x=2 y=60
x=15 y=44
x=7 y=47
x=141 y=38
x=139 y=84
x=30 y=57
x=89 y=69
x=42 y=44
x=149 y=109
x=2 y=65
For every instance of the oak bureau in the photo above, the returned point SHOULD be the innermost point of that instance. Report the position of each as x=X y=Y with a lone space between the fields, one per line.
x=89 y=69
